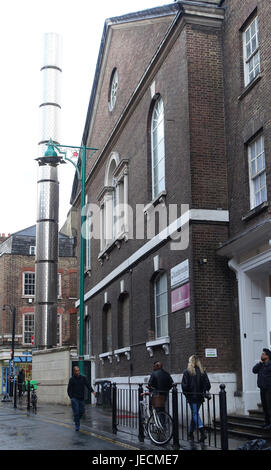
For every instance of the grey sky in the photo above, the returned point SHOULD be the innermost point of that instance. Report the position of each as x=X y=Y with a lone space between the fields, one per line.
x=80 y=24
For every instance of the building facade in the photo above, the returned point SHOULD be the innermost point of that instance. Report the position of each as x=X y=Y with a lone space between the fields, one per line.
x=246 y=42
x=178 y=186
x=17 y=289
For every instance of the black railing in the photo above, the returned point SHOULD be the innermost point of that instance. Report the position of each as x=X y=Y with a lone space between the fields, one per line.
x=126 y=415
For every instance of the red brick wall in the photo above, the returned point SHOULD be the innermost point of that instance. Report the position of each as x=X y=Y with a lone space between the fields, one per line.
x=12 y=268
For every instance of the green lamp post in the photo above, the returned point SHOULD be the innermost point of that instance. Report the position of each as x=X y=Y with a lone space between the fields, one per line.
x=51 y=154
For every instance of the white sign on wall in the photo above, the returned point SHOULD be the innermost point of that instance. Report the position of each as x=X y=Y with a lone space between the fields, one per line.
x=179 y=273
x=210 y=352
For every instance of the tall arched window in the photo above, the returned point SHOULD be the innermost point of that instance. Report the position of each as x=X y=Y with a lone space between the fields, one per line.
x=107 y=328
x=158 y=148
x=124 y=321
x=161 y=305
x=114 y=202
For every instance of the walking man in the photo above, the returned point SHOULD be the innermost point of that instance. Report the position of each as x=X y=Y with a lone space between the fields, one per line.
x=76 y=388
x=263 y=369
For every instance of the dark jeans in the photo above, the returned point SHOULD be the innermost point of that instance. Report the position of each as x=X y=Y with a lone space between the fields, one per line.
x=266 y=402
x=78 y=408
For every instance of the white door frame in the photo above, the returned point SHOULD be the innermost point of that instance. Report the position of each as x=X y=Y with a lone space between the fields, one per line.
x=241 y=270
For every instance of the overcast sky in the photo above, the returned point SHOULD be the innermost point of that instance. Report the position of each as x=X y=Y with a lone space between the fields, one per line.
x=23 y=23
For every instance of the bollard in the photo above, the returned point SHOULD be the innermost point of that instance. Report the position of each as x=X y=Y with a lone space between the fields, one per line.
x=114 y=409
x=140 y=423
x=28 y=396
x=175 y=417
x=223 y=417
x=15 y=394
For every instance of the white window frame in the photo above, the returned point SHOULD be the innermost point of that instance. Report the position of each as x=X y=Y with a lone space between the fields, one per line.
x=32 y=331
x=88 y=349
x=251 y=53
x=59 y=286
x=113 y=199
x=158 y=162
x=24 y=284
x=88 y=237
x=32 y=250
x=257 y=172
x=159 y=315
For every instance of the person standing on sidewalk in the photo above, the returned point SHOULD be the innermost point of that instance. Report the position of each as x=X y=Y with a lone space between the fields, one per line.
x=195 y=385
x=21 y=379
x=263 y=369
x=76 y=389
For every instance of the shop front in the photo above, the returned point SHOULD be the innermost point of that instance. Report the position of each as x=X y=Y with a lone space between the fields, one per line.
x=22 y=362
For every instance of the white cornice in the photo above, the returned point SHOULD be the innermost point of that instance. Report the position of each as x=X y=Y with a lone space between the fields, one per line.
x=199 y=215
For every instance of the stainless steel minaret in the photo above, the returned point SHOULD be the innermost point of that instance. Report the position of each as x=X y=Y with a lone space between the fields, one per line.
x=46 y=291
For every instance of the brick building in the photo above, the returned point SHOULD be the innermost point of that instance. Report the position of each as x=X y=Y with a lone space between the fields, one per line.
x=247 y=66
x=17 y=288
x=176 y=115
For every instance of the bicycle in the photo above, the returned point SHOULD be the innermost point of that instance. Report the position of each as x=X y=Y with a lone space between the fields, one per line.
x=34 y=399
x=157 y=424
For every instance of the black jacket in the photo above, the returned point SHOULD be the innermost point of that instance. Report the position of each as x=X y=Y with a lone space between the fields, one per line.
x=160 y=380
x=263 y=369
x=77 y=385
x=195 y=386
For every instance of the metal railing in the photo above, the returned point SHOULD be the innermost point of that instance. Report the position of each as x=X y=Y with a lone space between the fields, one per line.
x=18 y=395
x=213 y=410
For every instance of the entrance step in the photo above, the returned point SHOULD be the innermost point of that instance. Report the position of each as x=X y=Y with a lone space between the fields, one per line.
x=249 y=426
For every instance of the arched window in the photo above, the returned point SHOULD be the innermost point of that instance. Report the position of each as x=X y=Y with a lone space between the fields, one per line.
x=124 y=321
x=107 y=328
x=114 y=202
x=158 y=148
x=161 y=305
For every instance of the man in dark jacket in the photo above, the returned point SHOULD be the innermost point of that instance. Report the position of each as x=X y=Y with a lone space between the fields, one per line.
x=263 y=369
x=76 y=389
x=160 y=380
x=160 y=383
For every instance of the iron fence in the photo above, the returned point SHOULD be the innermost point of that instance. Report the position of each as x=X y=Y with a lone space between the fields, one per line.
x=213 y=410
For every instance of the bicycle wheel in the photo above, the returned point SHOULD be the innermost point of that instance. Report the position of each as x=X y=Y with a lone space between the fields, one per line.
x=160 y=427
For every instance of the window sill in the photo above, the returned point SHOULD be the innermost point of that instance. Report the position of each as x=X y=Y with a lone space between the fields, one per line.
x=163 y=342
x=126 y=351
x=249 y=87
x=88 y=357
x=104 y=254
x=255 y=211
x=107 y=355
x=160 y=199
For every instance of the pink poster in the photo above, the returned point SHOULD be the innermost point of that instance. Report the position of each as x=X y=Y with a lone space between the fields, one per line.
x=180 y=297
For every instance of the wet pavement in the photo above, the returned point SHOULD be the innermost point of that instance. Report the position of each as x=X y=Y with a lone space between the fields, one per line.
x=52 y=428
x=20 y=430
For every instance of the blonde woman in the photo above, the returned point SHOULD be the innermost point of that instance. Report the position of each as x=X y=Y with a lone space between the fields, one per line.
x=195 y=384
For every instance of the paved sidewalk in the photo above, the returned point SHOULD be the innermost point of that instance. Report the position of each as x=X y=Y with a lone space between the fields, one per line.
x=98 y=421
